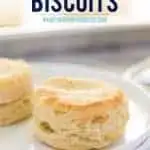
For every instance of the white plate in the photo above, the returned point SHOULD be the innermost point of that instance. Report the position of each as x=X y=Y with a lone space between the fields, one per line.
x=20 y=136
x=139 y=73
x=135 y=69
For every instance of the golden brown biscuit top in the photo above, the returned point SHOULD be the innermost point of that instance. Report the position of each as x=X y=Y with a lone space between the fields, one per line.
x=15 y=80
x=77 y=92
x=10 y=67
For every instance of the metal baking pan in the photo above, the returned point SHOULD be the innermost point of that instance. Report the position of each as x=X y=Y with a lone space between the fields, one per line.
x=77 y=38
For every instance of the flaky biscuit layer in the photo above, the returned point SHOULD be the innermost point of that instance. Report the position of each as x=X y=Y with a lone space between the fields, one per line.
x=15 y=111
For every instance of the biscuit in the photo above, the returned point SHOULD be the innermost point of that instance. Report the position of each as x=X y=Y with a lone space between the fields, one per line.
x=79 y=114
x=16 y=90
x=15 y=111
